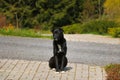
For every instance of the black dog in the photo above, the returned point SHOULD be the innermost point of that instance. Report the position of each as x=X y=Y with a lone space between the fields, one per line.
x=52 y=61
x=59 y=60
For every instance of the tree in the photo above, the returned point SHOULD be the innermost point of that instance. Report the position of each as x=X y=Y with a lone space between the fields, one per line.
x=17 y=12
x=88 y=10
x=2 y=20
x=50 y=13
x=57 y=13
x=92 y=9
x=112 y=8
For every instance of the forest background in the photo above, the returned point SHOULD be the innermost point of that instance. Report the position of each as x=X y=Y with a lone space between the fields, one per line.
x=74 y=16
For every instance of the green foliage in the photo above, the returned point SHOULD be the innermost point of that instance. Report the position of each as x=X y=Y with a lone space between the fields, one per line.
x=115 y=32
x=18 y=32
x=72 y=29
x=48 y=13
x=18 y=12
x=94 y=26
x=97 y=26
x=112 y=9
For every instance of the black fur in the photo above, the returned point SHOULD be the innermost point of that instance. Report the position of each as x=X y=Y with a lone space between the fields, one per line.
x=52 y=61
x=59 y=59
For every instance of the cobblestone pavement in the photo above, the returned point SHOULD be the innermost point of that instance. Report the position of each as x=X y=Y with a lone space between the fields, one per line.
x=37 y=70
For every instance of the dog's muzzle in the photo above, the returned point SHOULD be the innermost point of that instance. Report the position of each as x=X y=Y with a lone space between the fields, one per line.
x=55 y=39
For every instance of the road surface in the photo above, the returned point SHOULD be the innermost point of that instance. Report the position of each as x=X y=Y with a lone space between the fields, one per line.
x=41 y=50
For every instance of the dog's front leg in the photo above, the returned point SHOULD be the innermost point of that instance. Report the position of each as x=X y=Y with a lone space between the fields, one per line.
x=55 y=51
x=64 y=50
x=56 y=62
x=62 y=64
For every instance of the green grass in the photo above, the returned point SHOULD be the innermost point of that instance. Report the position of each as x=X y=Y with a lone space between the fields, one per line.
x=24 y=33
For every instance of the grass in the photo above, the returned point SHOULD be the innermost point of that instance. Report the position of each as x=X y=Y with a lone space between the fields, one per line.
x=24 y=32
x=113 y=71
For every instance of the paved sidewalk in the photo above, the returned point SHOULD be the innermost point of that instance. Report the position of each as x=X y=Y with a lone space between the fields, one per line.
x=37 y=70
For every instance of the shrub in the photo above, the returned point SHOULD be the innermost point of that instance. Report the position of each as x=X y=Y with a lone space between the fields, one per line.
x=94 y=26
x=113 y=71
x=72 y=29
x=97 y=26
x=115 y=32
x=7 y=29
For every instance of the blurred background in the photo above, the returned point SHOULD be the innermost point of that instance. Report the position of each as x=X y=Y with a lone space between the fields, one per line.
x=36 y=17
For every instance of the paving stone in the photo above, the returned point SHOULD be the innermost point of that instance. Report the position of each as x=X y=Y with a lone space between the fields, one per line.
x=30 y=71
x=81 y=72
x=2 y=62
x=18 y=70
x=36 y=70
x=104 y=75
x=53 y=75
x=64 y=76
x=42 y=71
x=7 y=68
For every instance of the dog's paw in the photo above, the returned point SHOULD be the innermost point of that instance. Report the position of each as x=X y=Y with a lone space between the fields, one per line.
x=62 y=72
x=57 y=72
x=53 y=69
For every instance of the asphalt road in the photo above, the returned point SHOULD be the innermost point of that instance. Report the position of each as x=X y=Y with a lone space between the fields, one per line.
x=41 y=50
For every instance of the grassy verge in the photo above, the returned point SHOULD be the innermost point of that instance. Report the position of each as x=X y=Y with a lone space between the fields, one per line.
x=113 y=71
x=23 y=33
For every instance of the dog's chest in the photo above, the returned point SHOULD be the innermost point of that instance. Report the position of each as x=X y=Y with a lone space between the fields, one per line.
x=59 y=47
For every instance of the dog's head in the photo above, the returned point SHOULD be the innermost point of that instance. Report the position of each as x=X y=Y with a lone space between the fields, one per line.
x=57 y=34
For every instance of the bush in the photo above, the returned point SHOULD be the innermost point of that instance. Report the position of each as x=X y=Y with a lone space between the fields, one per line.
x=94 y=26
x=113 y=71
x=115 y=32
x=72 y=29
x=7 y=29
x=98 y=26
